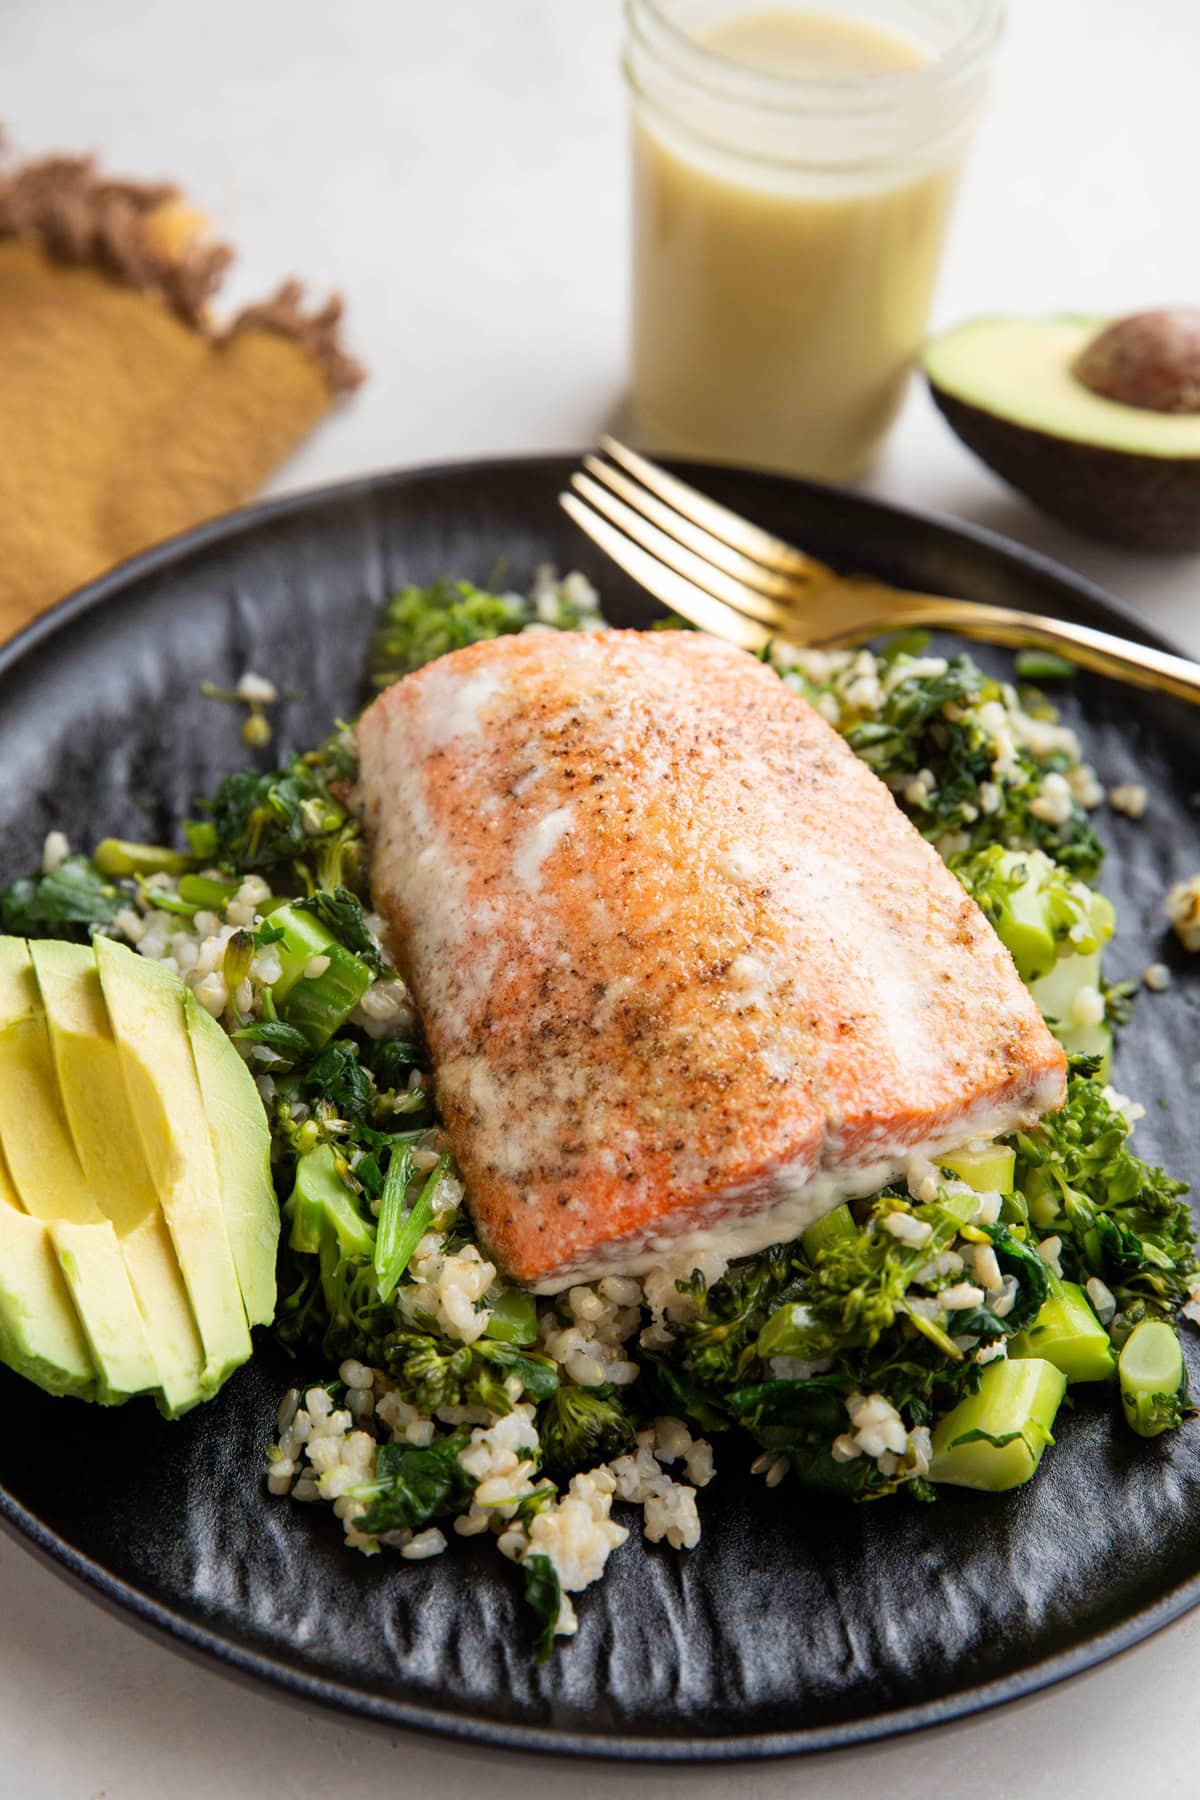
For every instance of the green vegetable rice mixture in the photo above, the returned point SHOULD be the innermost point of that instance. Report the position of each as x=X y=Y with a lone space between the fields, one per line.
x=924 y=1335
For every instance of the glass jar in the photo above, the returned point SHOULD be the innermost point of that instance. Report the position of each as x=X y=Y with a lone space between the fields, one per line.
x=787 y=227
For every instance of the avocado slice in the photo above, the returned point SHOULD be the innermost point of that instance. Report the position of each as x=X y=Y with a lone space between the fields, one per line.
x=241 y=1145
x=1011 y=389
x=50 y=1185
x=110 y=1153
x=40 y=1334
x=145 y=1005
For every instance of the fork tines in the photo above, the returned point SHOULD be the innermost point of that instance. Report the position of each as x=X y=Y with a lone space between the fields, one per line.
x=713 y=567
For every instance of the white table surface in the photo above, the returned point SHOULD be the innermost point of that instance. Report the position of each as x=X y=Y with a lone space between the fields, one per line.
x=456 y=166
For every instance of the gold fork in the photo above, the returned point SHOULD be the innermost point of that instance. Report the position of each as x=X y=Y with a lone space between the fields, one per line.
x=735 y=580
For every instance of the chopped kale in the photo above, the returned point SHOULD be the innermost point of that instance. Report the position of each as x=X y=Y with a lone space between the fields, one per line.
x=293 y=823
x=74 y=902
x=931 y=723
x=337 y=1077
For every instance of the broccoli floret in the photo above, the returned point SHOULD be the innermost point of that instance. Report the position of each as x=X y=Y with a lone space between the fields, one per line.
x=581 y=1427
x=1041 y=911
x=292 y=822
x=419 y=624
x=1119 y=1219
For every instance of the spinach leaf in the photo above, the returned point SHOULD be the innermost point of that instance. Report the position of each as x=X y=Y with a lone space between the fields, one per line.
x=543 y=1591
x=390 y=1060
x=288 y=1044
x=414 y=1484
x=538 y=1375
x=73 y=902
x=342 y=915
x=335 y=1075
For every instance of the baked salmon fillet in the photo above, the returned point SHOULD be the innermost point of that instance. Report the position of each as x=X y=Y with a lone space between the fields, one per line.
x=687 y=973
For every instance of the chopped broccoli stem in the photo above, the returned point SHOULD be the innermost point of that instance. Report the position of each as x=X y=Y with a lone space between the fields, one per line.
x=118 y=857
x=1043 y=665
x=788 y=1331
x=1023 y=926
x=304 y=937
x=834 y=1227
x=1055 y=928
x=317 y=1005
x=962 y=1207
x=1040 y=910
x=202 y=837
x=994 y=1439
x=322 y=1207
x=514 y=1316
x=1056 y=994
x=204 y=892
x=1153 y=1379
x=1068 y=1334
x=987 y=1171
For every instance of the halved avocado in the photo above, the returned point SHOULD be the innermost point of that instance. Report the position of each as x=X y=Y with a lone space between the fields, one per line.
x=1023 y=395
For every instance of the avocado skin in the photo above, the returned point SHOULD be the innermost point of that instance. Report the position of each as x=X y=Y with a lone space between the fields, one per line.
x=1140 y=502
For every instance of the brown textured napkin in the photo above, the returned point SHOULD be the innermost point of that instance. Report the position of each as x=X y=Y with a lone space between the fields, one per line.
x=126 y=412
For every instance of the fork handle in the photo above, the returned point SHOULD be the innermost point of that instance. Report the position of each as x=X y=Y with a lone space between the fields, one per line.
x=1099 y=651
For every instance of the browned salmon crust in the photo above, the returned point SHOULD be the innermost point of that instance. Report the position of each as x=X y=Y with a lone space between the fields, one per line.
x=684 y=965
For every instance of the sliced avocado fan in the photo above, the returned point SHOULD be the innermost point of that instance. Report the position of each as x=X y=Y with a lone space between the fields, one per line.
x=138 y=1223
x=51 y=1186
x=114 y=1166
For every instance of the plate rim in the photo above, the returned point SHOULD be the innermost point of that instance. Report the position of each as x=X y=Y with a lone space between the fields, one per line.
x=167 y=1623
x=221 y=1655
x=163 y=555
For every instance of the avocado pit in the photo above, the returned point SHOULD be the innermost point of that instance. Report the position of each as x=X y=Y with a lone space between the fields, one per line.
x=1150 y=360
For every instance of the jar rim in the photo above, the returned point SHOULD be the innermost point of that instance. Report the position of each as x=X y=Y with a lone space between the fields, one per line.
x=722 y=77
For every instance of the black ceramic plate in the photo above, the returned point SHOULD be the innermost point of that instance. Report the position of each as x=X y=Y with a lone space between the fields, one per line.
x=795 y=1624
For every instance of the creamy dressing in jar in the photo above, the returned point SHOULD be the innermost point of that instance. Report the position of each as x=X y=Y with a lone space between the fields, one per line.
x=792 y=177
